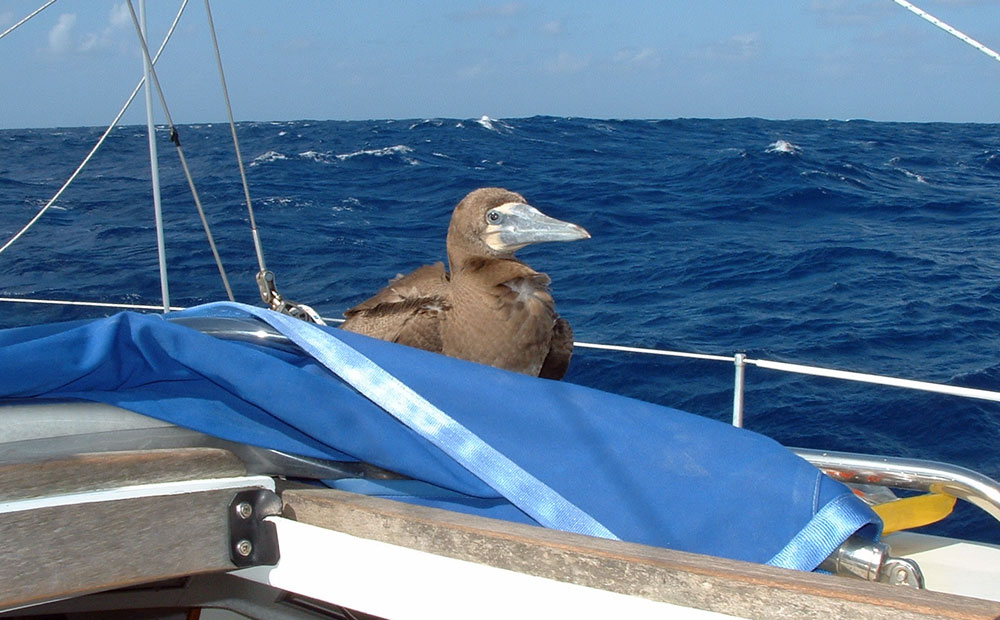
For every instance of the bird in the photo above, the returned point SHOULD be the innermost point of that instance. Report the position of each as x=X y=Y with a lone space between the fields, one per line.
x=488 y=306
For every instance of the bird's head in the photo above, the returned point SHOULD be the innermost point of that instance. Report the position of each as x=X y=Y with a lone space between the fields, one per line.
x=495 y=222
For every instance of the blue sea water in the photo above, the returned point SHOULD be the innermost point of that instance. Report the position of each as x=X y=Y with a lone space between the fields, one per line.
x=854 y=245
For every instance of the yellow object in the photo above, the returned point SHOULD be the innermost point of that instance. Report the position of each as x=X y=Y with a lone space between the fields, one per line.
x=911 y=512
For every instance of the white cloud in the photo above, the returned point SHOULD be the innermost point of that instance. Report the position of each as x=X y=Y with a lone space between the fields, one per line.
x=61 y=35
x=646 y=57
x=566 y=63
x=91 y=42
x=120 y=16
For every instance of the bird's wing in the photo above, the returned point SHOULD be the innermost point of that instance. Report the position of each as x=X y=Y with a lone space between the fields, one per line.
x=560 y=350
x=408 y=311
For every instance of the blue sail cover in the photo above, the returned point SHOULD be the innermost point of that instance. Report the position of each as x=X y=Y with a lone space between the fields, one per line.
x=649 y=474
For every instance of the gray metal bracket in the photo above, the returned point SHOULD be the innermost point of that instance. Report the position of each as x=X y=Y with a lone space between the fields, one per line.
x=252 y=540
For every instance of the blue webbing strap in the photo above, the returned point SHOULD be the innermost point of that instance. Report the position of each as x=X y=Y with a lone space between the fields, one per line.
x=830 y=526
x=522 y=489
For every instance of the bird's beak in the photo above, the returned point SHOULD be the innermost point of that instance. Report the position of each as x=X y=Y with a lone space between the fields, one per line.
x=519 y=225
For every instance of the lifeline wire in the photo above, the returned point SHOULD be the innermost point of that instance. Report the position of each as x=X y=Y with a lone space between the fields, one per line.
x=89 y=304
x=32 y=14
x=939 y=388
x=103 y=137
x=180 y=154
x=236 y=143
x=952 y=31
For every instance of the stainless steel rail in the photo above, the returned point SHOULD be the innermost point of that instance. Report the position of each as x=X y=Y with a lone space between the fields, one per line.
x=912 y=474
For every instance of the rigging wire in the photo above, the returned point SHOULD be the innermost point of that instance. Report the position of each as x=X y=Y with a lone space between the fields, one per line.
x=154 y=169
x=236 y=143
x=949 y=29
x=175 y=138
x=101 y=140
x=265 y=278
x=32 y=14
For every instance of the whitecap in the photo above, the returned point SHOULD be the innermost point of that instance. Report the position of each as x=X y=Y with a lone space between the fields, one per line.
x=427 y=121
x=894 y=162
x=493 y=124
x=487 y=122
x=913 y=175
x=347 y=204
x=316 y=156
x=267 y=158
x=399 y=149
x=783 y=146
x=277 y=201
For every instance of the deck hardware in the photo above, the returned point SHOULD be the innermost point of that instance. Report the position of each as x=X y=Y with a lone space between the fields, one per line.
x=861 y=558
x=244 y=510
x=252 y=540
x=901 y=572
x=244 y=548
x=270 y=295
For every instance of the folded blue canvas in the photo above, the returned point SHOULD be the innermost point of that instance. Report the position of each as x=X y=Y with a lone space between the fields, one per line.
x=633 y=470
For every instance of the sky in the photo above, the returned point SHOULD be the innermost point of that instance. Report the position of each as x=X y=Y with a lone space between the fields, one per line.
x=76 y=62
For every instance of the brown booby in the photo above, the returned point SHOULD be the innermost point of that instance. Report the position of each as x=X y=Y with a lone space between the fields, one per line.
x=488 y=307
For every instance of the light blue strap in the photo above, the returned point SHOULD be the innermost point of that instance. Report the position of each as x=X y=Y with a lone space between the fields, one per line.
x=830 y=526
x=522 y=489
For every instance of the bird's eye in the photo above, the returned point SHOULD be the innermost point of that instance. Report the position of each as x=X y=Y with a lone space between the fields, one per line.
x=493 y=217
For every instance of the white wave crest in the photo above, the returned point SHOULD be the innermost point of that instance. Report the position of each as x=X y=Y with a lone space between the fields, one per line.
x=347 y=204
x=277 y=201
x=433 y=122
x=267 y=158
x=316 y=156
x=399 y=149
x=919 y=178
x=783 y=146
x=492 y=124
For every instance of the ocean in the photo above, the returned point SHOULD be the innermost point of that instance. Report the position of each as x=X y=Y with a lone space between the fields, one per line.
x=866 y=246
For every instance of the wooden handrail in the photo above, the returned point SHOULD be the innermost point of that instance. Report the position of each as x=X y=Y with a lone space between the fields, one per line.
x=727 y=586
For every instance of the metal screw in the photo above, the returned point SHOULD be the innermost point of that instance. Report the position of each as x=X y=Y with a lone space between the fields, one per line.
x=244 y=547
x=244 y=509
x=901 y=576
